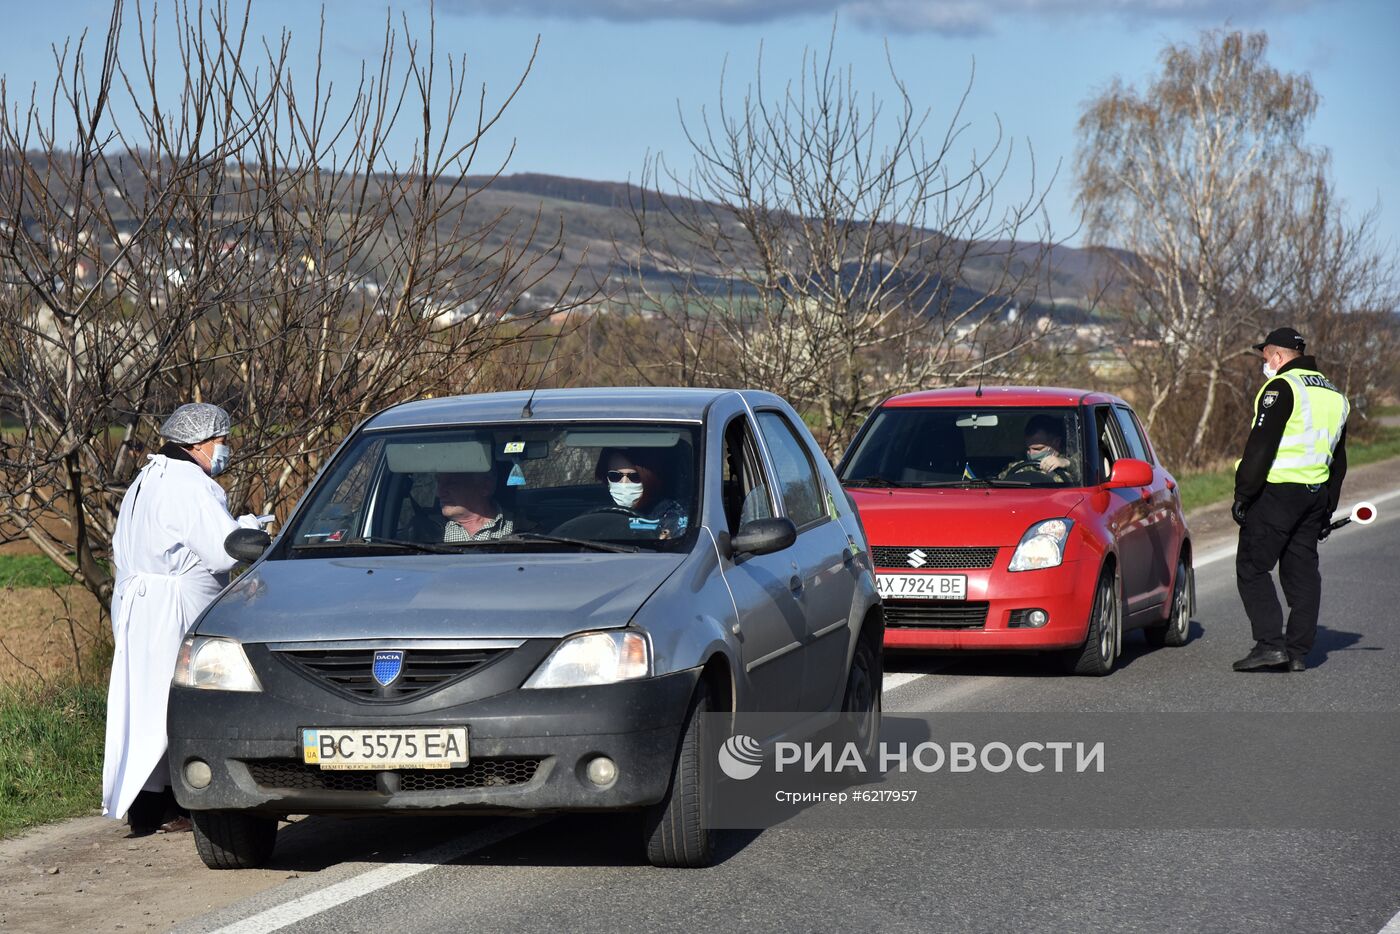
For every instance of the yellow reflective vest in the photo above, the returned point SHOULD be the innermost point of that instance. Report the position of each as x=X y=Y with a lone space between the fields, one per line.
x=1319 y=412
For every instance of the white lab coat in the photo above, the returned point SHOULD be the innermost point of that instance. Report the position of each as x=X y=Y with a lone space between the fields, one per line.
x=170 y=564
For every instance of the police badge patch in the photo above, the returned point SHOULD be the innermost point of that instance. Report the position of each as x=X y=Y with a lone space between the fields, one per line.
x=1270 y=398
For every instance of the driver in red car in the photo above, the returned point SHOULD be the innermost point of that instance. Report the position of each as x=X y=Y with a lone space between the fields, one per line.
x=1045 y=451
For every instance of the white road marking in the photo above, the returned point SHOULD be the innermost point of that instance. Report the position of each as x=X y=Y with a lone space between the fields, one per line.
x=299 y=909
x=901 y=678
x=1392 y=926
x=1228 y=551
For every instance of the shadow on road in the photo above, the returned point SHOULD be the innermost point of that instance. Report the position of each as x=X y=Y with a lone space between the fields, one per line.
x=1336 y=640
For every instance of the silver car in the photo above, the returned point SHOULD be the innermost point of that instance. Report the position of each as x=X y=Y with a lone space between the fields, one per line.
x=502 y=604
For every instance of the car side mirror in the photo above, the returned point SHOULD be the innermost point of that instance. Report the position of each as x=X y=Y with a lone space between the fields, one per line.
x=763 y=537
x=247 y=545
x=1129 y=471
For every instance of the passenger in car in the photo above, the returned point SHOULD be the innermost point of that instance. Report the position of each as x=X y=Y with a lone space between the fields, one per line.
x=638 y=480
x=1045 y=446
x=470 y=513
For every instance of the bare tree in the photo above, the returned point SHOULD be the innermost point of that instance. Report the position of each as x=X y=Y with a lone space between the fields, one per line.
x=242 y=242
x=820 y=248
x=1223 y=213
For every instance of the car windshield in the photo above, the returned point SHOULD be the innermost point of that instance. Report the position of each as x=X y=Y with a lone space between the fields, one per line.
x=1012 y=447
x=558 y=487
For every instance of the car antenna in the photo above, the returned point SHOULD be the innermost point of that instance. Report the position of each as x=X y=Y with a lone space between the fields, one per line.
x=981 y=368
x=527 y=411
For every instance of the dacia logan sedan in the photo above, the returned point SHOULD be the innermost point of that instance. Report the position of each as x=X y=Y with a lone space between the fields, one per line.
x=499 y=603
x=1021 y=519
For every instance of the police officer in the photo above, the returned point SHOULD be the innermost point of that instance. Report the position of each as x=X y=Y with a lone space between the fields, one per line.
x=1287 y=486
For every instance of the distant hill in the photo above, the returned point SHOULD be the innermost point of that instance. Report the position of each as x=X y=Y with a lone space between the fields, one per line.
x=597 y=219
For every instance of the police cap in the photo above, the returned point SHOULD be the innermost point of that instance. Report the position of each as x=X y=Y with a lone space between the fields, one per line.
x=1286 y=338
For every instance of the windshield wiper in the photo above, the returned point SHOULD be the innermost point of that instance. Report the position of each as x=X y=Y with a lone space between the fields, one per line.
x=873 y=481
x=532 y=537
x=395 y=543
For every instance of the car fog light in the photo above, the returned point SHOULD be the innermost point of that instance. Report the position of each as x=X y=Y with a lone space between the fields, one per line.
x=602 y=771
x=1037 y=618
x=198 y=773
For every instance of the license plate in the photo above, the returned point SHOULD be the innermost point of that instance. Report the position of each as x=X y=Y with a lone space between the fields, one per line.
x=922 y=586
x=434 y=748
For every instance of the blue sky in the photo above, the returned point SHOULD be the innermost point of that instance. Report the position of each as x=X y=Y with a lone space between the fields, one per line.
x=611 y=74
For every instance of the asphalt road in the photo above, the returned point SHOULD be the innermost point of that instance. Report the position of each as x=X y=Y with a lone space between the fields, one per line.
x=585 y=873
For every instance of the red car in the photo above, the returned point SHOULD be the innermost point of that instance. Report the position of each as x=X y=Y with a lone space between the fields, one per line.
x=1023 y=519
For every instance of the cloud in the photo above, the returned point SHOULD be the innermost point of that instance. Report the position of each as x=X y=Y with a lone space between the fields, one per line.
x=948 y=17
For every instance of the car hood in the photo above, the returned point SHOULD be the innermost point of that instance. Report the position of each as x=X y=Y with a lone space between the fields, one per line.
x=515 y=595
x=975 y=517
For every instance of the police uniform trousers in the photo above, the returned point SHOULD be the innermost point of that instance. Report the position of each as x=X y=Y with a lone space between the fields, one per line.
x=1281 y=528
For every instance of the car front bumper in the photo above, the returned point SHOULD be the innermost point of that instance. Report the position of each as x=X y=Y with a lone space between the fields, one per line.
x=527 y=749
x=1065 y=593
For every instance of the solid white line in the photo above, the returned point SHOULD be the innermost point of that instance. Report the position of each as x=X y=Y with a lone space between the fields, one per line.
x=1228 y=551
x=299 y=909
x=1392 y=926
x=901 y=678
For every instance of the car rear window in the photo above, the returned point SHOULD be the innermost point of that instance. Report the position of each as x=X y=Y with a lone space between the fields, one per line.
x=910 y=446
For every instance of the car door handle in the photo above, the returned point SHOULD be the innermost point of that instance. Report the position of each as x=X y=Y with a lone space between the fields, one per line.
x=1171 y=484
x=795 y=584
x=1146 y=492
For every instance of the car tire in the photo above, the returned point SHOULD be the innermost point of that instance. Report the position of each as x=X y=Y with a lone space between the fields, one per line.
x=860 y=706
x=1105 y=637
x=232 y=840
x=677 y=829
x=1177 y=629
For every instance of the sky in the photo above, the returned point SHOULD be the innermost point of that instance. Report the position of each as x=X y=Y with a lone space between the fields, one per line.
x=613 y=78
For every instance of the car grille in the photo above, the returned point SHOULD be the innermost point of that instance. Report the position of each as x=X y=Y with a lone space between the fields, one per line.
x=349 y=670
x=897 y=556
x=929 y=614
x=296 y=775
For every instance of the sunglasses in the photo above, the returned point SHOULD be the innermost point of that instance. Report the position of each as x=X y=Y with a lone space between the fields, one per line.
x=624 y=476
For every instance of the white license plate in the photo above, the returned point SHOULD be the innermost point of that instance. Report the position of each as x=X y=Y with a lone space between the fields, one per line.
x=434 y=748
x=922 y=586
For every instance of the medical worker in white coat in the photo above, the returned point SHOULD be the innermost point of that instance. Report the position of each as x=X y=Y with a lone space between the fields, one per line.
x=170 y=563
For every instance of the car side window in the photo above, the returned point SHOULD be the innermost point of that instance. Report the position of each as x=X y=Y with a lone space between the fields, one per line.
x=1111 y=446
x=1136 y=446
x=796 y=476
x=745 y=490
x=1142 y=434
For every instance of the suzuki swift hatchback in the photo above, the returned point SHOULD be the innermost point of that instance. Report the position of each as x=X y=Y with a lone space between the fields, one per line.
x=488 y=606
x=1020 y=519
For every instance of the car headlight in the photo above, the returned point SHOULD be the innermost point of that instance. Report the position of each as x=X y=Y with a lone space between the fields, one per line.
x=594 y=658
x=1043 y=545
x=214 y=664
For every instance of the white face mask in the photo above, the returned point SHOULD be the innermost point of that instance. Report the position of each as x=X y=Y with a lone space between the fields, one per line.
x=218 y=463
x=1269 y=372
x=625 y=494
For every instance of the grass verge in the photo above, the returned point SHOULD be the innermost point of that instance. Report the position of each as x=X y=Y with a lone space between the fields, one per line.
x=31 y=571
x=50 y=753
x=1204 y=489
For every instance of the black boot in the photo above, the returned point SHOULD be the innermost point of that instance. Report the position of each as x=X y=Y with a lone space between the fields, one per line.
x=1260 y=657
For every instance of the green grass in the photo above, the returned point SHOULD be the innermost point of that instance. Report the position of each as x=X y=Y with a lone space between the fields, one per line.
x=31 y=571
x=1207 y=488
x=50 y=753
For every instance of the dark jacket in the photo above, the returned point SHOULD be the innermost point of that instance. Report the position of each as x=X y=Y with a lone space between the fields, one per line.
x=1267 y=430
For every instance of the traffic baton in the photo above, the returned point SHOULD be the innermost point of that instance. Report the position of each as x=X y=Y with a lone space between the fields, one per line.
x=1362 y=514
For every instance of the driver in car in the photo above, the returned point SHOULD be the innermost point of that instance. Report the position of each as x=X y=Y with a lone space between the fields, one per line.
x=1045 y=446
x=636 y=479
x=467 y=502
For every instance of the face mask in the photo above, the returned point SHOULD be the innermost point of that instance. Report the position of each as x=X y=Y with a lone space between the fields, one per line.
x=219 y=462
x=625 y=494
x=1269 y=372
x=1039 y=455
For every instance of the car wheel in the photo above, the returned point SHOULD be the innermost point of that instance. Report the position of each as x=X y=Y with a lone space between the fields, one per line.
x=860 y=708
x=1100 y=649
x=1177 y=629
x=231 y=840
x=677 y=829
